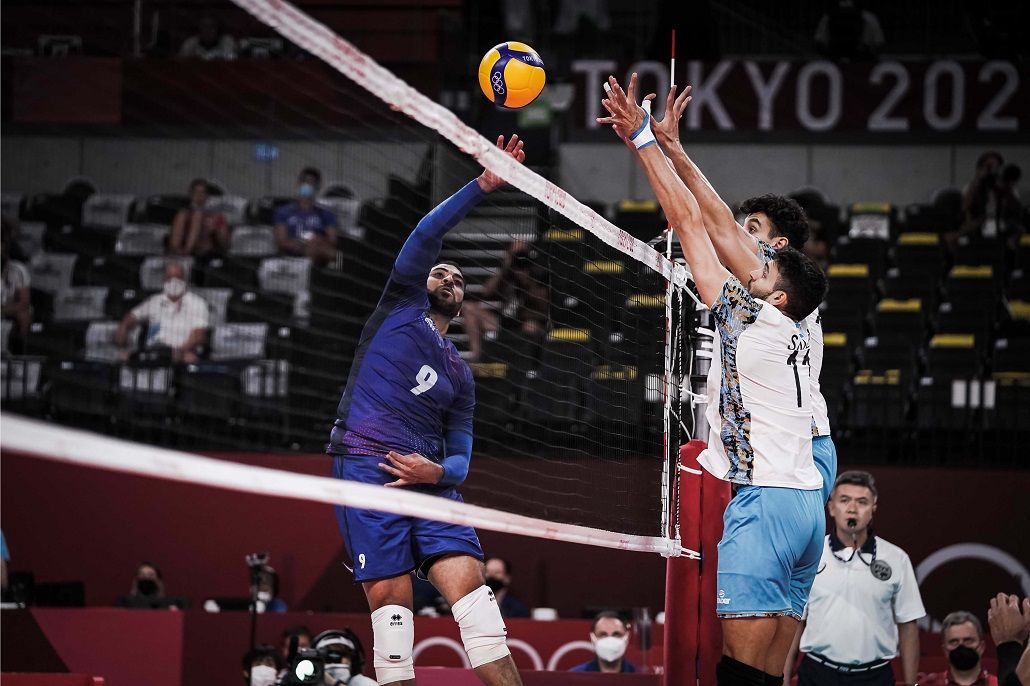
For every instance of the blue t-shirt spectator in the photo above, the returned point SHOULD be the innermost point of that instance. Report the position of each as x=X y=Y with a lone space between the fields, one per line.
x=303 y=223
x=595 y=666
x=5 y=554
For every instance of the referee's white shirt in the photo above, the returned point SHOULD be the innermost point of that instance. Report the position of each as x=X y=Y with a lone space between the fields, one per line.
x=852 y=615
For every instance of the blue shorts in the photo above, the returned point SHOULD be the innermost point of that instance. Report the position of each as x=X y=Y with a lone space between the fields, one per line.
x=769 y=553
x=824 y=452
x=382 y=545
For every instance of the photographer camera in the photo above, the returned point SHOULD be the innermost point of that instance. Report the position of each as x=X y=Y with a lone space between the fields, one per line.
x=336 y=658
x=990 y=202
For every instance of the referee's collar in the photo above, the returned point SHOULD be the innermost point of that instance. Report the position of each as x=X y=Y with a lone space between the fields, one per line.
x=869 y=547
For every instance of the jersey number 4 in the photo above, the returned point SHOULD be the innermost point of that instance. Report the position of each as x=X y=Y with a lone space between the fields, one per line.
x=426 y=379
x=792 y=361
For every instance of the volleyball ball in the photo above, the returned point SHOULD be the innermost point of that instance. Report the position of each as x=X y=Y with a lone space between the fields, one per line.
x=511 y=75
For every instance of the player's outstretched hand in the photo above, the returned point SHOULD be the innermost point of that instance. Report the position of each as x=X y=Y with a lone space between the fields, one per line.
x=625 y=115
x=1007 y=621
x=411 y=469
x=667 y=131
x=489 y=181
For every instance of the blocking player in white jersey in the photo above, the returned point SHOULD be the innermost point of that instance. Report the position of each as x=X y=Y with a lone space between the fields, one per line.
x=762 y=431
x=771 y=222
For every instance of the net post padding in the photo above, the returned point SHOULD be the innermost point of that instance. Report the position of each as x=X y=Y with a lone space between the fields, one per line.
x=683 y=577
x=715 y=496
x=49 y=441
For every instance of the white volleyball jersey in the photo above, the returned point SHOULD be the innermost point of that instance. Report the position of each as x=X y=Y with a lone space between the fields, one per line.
x=759 y=396
x=813 y=325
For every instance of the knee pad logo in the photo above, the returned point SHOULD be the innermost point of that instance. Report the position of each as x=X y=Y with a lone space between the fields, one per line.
x=396 y=620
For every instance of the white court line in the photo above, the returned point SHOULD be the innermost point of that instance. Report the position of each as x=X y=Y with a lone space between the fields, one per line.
x=72 y=446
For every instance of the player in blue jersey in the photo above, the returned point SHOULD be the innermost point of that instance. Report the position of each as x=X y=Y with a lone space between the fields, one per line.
x=405 y=421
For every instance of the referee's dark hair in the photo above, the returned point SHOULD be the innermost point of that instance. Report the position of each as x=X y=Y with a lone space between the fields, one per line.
x=787 y=217
x=607 y=614
x=802 y=280
x=857 y=477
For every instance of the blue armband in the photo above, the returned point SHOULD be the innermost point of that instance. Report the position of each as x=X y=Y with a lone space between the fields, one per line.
x=459 y=454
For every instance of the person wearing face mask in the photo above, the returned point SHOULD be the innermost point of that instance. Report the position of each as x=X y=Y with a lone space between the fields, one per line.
x=610 y=636
x=498 y=580
x=303 y=228
x=177 y=319
x=865 y=601
x=148 y=591
x=962 y=640
x=261 y=666
x=344 y=658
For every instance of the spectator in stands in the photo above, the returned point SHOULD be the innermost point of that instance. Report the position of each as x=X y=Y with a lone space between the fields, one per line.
x=962 y=638
x=303 y=228
x=865 y=601
x=261 y=666
x=177 y=320
x=1010 y=628
x=196 y=230
x=148 y=590
x=520 y=286
x=267 y=580
x=610 y=636
x=5 y=557
x=846 y=31
x=15 y=290
x=344 y=658
x=303 y=635
x=210 y=43
x=990 y=201
x=498 y=579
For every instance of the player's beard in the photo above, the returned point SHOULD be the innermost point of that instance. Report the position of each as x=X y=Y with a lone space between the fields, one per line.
x=447 y=307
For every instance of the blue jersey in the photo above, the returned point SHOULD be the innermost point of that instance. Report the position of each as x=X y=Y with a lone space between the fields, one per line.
x=409 y=390
x=301 y=224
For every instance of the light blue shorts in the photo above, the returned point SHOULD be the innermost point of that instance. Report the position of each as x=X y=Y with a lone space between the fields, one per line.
x=769 y=553
x=824 y=452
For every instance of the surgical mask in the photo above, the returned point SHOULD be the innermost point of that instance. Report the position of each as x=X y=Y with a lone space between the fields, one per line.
x=264 y=596
x=610 y=648
x=306 y=190
x=495 y=584
x=146 y=586
x=963 y=658
x=263 y=675
x=338 y=672
x=174 y=288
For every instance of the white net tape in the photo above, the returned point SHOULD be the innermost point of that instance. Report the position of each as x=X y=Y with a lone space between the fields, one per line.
x=51 y=442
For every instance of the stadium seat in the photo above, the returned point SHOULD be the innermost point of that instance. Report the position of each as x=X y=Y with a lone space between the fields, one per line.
x=42 y=305
x=56 y=341
x=250 y=306
x=145 y=390
x=923 y=218
x=141 y=240
x=263 y=210
x=239 y=341
x=161 y=209
x=52 y=272
x=899 y=321
x=232 y=207
x=948 y=395
x=252 y=241
x=968 y=316
x=837 y=372
x=265 y=386
x=975 y=250
x=100 y=343
x=495 y=401
x=12 y=204
x=54 y=209
x=30 y=237
x=871 y=220
x=107 y=211
x=972 y=283
x=641 y=218
x=121 y=301
x=289 y=275
x=850 y=286
x=238 y=273
x=217 y=302
x=80 y=392
x=152 y=271
x=346 y=211
x=948 y=202
x=114 y=272
x=868 y=251
x=614 y=400
x=919 y=255
x=81 y=240
x=954 y=354
x=209 y=391
x=21 y=383
x=260 y=47
x=80 y=304
x=6 y=326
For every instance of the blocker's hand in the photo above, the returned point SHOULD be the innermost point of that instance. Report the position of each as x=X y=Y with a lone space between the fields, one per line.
x=667 y=131
x=626 y=115
x=489 y=181
x=411 y=469
x=1007 y=620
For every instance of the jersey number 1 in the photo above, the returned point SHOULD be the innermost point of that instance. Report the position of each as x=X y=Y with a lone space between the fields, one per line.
x=792 y=361
x=426 y=379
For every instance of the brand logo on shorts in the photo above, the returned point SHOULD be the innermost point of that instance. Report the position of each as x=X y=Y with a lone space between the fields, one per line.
x=395 y=620
x=722 y=599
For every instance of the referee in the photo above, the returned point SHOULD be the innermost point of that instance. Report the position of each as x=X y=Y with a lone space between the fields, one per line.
x=864 y=604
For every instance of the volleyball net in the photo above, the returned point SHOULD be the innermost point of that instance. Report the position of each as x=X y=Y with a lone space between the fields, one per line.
x=573 y=324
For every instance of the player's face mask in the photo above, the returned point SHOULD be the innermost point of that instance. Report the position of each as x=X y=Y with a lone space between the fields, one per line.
x=610 y=648
x=262 y=675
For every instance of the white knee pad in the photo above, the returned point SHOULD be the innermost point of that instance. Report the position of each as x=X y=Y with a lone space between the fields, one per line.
x=481 y=625
x=393 y=633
